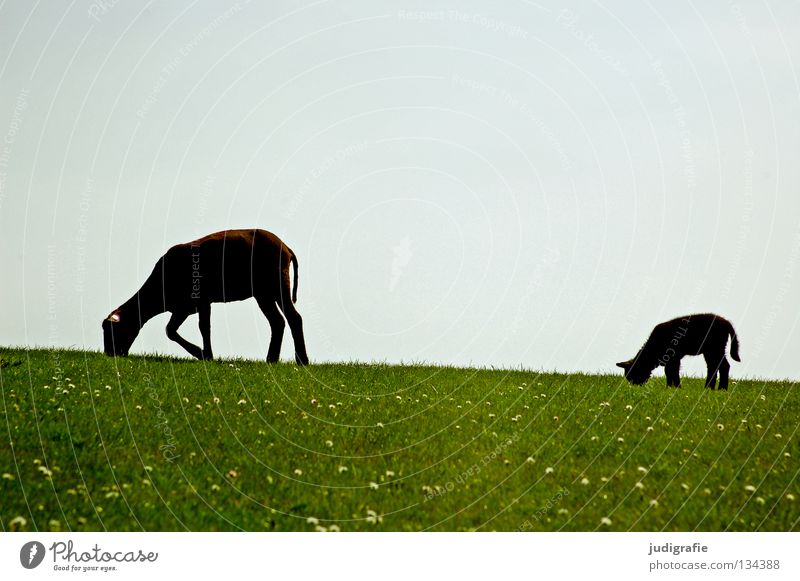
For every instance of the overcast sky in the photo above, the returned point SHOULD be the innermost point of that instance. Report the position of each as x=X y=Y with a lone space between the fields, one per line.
x=532 y=184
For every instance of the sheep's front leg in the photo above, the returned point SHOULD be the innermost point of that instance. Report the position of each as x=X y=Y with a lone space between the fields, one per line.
x=204 y=313
x=673 y=372
x=175 y=322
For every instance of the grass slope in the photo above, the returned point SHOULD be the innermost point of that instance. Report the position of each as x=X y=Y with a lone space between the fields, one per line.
x=149 y=443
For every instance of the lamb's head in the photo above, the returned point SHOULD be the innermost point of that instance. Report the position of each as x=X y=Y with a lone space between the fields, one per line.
x=636 y=371
x=119 y=333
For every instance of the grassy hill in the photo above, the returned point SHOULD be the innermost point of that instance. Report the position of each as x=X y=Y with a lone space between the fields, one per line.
x=150 y=443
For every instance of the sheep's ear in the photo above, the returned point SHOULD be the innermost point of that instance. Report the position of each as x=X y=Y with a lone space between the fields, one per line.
x=114 y=317
x=624 y=364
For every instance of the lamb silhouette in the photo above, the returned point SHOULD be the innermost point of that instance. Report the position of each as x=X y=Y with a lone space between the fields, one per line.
x=704 y=334
x=232 y=265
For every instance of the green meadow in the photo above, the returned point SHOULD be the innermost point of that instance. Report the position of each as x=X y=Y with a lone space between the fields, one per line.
x=158 y=444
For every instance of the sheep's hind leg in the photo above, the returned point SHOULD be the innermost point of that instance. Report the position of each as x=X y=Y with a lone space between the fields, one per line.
x=277 y=326
x=175 y=322
x=713 y=363
x=724 y=367
x=296 y=326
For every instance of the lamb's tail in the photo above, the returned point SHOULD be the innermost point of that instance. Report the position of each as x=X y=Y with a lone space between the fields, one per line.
x=734 y=344
x=294 y=290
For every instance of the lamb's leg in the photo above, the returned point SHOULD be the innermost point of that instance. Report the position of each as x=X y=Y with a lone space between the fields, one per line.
x=172 y=332
x=673 y=372
x=712 y=363
x=276 y=325
x=204 y=313
x=296 y=326
x=724 y=367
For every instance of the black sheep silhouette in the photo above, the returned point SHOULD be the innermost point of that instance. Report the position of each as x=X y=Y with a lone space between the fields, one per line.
x=232 y=265
x=704 y=334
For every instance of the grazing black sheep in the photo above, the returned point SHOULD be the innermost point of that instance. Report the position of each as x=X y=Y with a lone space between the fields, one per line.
x=705 y=334
x=226 y=266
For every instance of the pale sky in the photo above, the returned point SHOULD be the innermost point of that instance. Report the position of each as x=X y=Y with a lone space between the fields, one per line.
x=511 y=184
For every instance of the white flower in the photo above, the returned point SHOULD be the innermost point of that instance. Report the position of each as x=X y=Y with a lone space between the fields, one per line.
x=653 y=502
x=642 y=469
x=548 y=470
x=374 y=485
x=639 y=485
x=585 y=481
x=750 y=488
x=20 y=521
x=312 y=520
x=605 y=521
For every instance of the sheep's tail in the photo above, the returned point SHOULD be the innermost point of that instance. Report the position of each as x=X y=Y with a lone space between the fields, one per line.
x=294 y=289
x=734 y=344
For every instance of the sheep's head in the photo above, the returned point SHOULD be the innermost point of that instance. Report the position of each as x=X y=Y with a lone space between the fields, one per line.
x=118 y=334
x=635 y=370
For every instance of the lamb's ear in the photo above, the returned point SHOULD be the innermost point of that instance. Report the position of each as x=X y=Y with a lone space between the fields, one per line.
x=624 y=364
